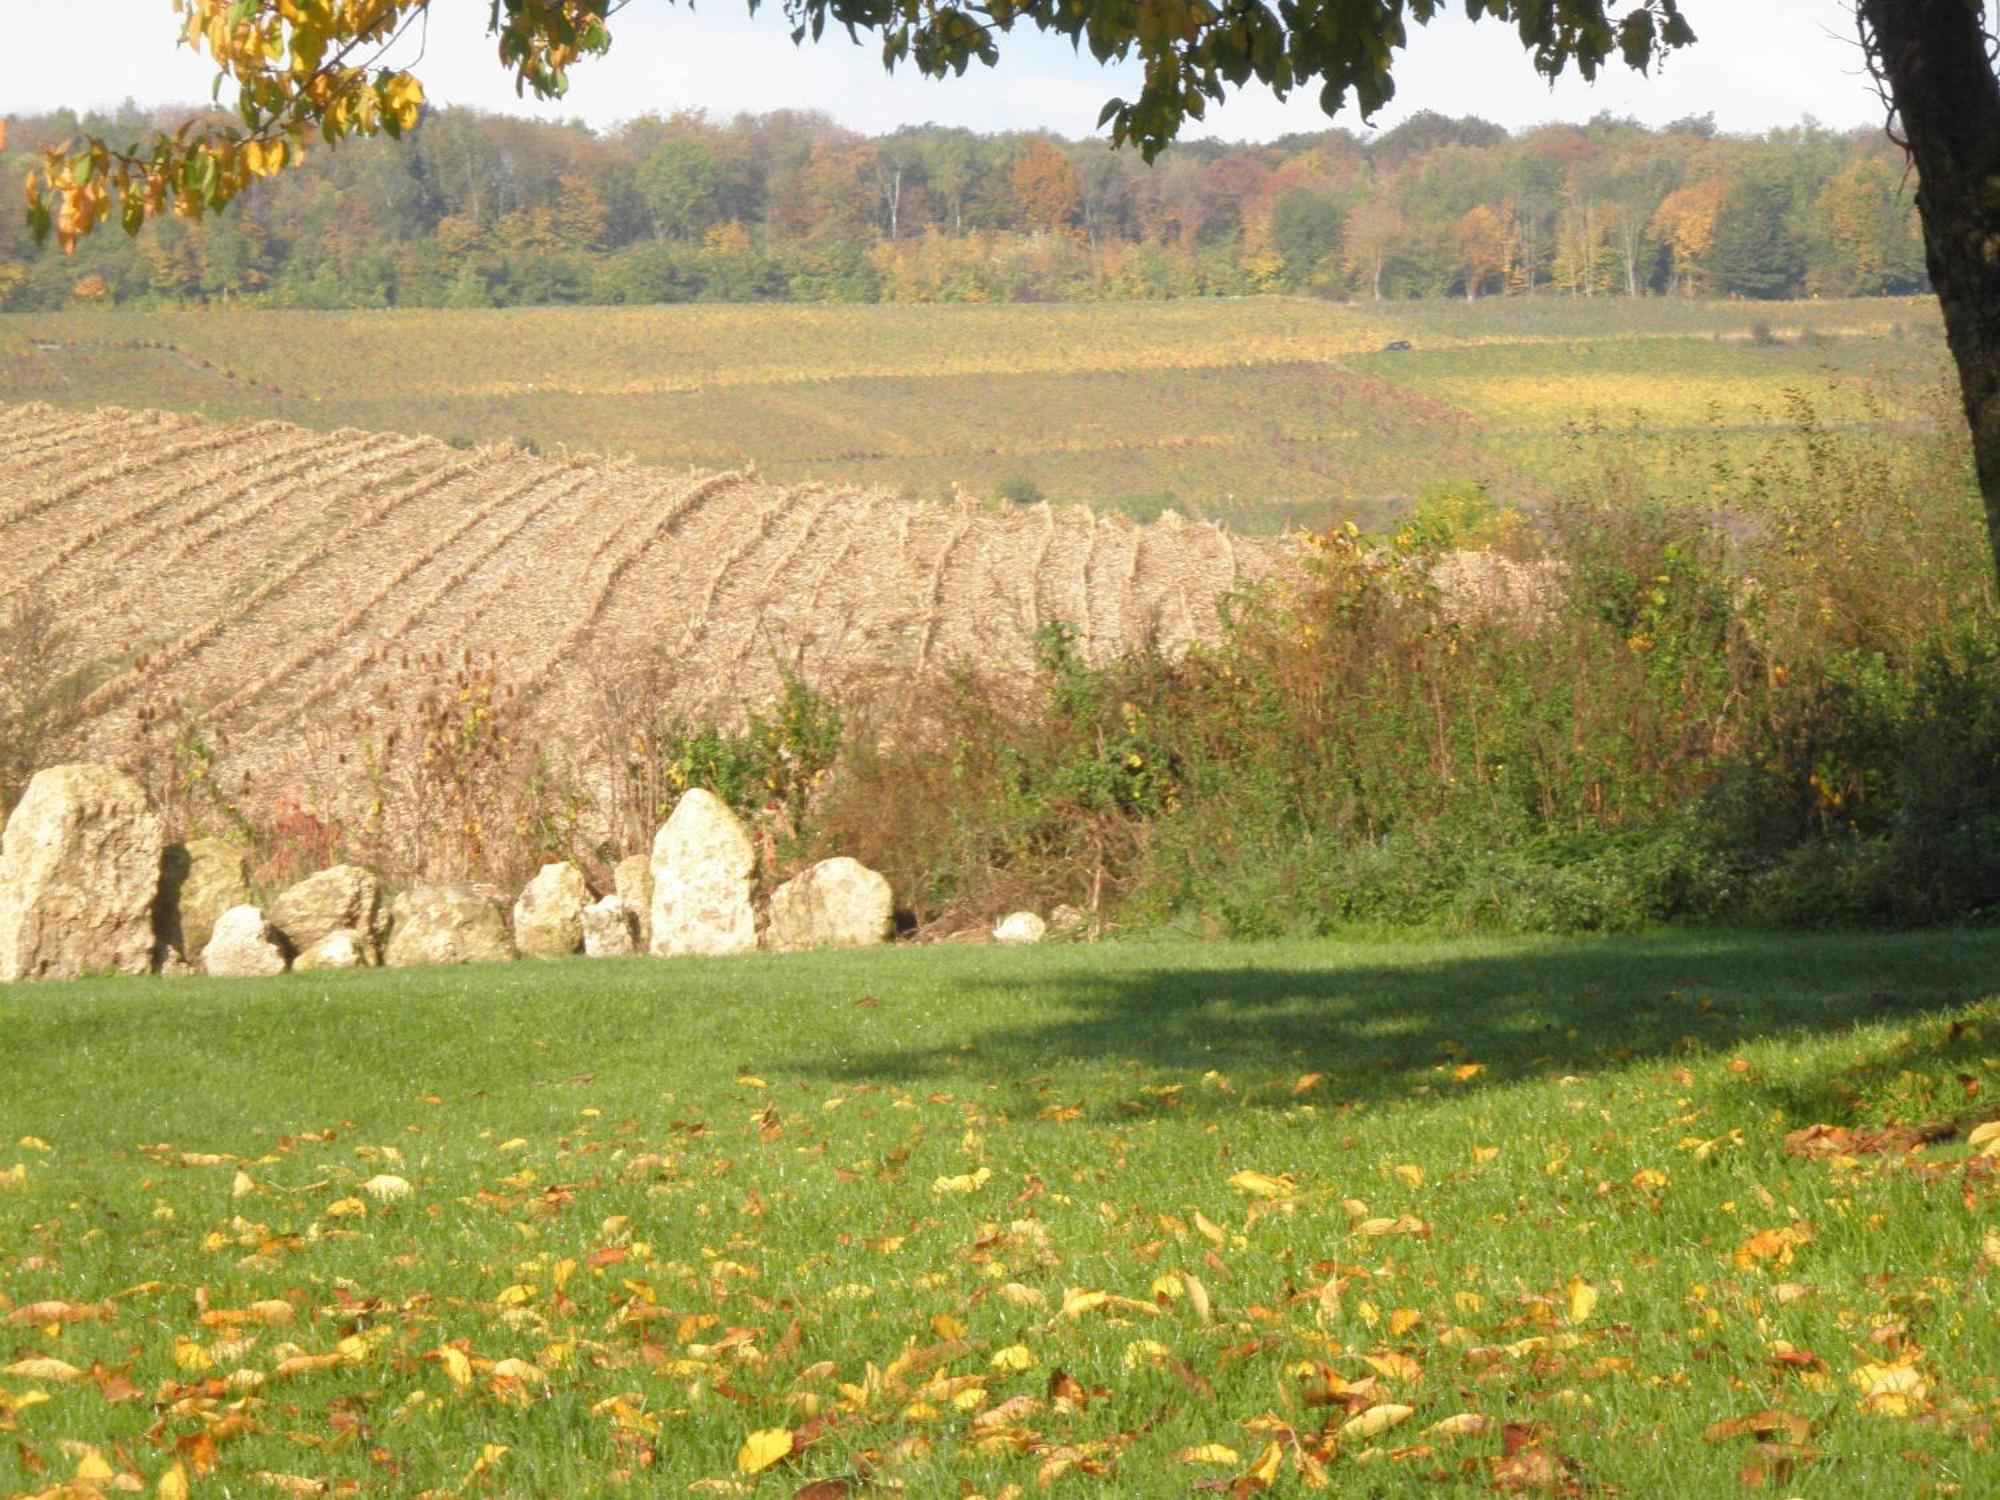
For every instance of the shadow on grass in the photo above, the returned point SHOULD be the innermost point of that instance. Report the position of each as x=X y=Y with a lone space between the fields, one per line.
x=1381 y=1022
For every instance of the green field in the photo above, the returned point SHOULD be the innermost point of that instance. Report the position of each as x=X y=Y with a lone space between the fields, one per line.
x=1264 y=412
x=940 y=1222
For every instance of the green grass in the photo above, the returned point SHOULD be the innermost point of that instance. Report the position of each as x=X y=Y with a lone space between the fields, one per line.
x=1263 y=412
x=724 y=1195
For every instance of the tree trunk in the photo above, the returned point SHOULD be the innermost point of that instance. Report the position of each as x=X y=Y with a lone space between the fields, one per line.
x=1932 y=53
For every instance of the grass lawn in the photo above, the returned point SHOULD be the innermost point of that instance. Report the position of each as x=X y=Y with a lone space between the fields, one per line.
x=1138 y=1220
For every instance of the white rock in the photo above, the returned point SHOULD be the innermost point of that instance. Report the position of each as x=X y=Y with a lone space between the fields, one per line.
x=609 y=930
x=243 y=946
x=345 y=896
x=79 y=876
x=548 y=917
x=837 y=903
x=344 y=949
x=1019 y=928
x=703 y=868
x=447 y=924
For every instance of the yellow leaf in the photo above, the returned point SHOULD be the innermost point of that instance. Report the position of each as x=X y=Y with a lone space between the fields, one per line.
x=1377 y=1419
x=347 y=1208
x=1142 y=1352
x=272 y=1312
x=1483 y=1154
x=1077 y=1302
x=1982 y=1139
x=1649 y=1179
x=1402 y=1320
x=971 y=1182
x=1989 y=1247
x=516 y=1295
x=1210 y=1453
x=1401 y=1224
x=1306 y=1084
x=1208 y=1228
x=1466 y=1072
x=1411 y=1173
x=43 y=1368
x=489 y=1455
x=1258 y=1185
x=457 y=1368
x=946 y=1327
x=32 y=1142
x=1582 y=1299
x=1394 y=1366
x=191 y=1356
x=91 y=1467
x=173 y=1484
x=1264 y=1472
x=762 y=1449
x=1197 y=1296
x=1013 y=1359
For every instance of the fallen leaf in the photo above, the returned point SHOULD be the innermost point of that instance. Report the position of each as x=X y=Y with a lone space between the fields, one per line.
x=1209 y=1453
x=1375 y=1420
x=762 y=1449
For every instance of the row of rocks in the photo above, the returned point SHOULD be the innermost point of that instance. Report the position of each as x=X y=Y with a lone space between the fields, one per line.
x=88 y=884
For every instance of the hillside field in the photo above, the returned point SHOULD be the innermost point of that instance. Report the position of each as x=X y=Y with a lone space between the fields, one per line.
x=1261 y=412
x=1691 y=1215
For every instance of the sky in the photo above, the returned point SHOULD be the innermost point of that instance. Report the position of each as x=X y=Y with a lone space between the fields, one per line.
x=1758 y=64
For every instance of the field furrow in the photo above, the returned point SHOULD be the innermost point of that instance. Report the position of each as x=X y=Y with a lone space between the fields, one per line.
x=345 y=629
x=771 y=617
x=370 y=654
x=138 y=519
x=178 y=651
x=935 y=590
x=135 y=457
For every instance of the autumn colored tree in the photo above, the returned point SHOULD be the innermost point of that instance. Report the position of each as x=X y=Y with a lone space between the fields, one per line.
x=1047 y=187
x=1486 y=246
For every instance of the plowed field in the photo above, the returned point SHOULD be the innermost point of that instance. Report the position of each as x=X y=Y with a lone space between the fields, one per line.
x=268 y=577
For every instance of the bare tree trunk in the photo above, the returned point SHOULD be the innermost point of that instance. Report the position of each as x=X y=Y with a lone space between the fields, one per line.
x=1933 y=56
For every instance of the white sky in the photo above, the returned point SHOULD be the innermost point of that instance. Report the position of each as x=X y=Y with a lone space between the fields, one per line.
x=1760 y=63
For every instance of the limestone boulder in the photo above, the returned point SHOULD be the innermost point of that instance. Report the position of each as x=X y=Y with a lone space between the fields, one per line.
x=79 y=876
x=345 y=949
x=837 y=903
x=243 y=945
x=1018 y=929
x=704 y=871
x=632 y=879
x=344 y=897
x=447 y=924
x=548 y=917
x=609 y=929
x=199 y=881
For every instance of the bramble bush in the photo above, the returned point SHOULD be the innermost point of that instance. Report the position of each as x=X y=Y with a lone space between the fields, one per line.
x=1777 y=702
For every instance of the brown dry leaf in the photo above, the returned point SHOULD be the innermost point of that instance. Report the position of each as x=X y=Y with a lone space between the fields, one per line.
x=1771 y=1246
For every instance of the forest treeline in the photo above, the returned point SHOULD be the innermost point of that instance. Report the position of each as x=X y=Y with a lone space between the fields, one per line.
x=479 y=210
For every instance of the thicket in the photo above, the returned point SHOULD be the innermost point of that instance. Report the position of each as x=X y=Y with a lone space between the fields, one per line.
x=1773 y=696
x=474 y=210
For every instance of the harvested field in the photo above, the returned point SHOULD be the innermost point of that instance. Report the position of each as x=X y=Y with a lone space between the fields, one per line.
x=269 y=578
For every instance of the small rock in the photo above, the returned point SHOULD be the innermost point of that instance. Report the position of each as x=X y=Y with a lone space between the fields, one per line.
x=345 y=896
x=344 y=949
x=243 y=946
x=609 y=929
x=548 y=917
x=1067 y=918
x=447 y=924
x=1019 y=928
x=80 y=872
x=837 y=903
x=703 y=867
x=632 y=879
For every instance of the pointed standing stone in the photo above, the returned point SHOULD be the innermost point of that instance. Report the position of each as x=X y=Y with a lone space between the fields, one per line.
x=704 y=865
x=548 y=918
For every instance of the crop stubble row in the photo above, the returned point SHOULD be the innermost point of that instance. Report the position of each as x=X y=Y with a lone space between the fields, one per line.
x=272 y=579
